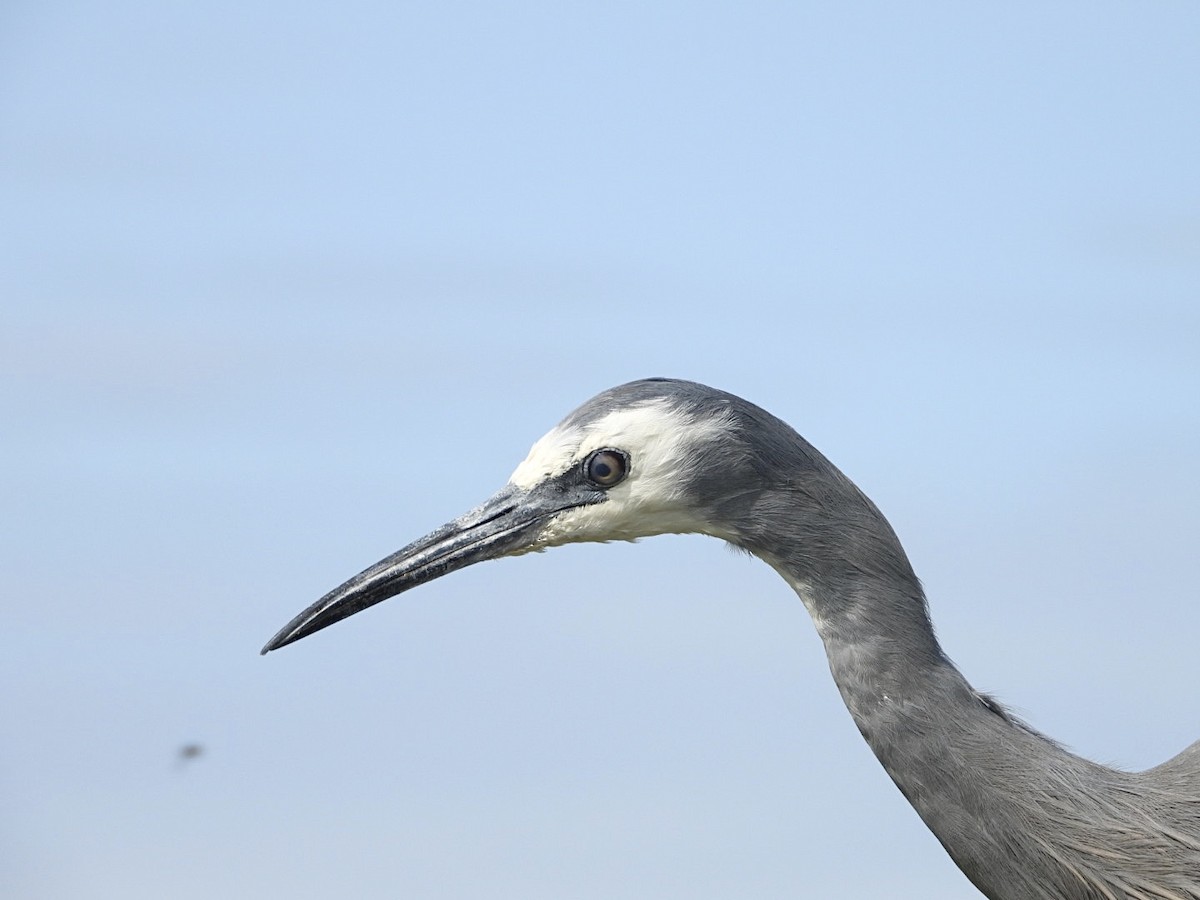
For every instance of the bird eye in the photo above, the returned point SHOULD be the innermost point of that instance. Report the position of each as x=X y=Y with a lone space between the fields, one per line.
x=604 y=468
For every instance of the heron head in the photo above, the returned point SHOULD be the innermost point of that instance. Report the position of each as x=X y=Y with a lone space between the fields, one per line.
x=630 y=463
x=642 y=459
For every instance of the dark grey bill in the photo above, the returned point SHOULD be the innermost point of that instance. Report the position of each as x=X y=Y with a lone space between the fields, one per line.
x=504 y=524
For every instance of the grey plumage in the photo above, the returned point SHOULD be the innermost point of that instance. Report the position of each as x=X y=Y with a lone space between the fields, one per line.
x=1021 y=816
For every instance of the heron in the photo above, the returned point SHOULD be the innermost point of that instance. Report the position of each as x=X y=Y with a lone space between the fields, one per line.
x=1021 y=816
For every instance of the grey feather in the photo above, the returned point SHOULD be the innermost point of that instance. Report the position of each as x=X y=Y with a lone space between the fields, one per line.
x=1020 y=815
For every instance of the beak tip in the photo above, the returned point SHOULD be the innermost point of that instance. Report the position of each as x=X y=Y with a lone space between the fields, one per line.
x=282 y=639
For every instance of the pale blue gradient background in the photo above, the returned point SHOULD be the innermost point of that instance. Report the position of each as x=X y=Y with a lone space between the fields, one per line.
x=286 y=286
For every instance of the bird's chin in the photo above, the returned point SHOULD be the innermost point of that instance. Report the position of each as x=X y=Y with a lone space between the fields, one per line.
x=622 y=519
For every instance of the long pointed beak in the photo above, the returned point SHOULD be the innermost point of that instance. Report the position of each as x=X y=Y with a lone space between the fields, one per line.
x=508 y=523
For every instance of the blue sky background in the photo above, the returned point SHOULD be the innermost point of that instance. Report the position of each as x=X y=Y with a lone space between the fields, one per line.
x=285 y=287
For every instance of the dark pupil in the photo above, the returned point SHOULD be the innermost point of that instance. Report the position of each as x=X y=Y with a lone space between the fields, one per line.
x=601 y=469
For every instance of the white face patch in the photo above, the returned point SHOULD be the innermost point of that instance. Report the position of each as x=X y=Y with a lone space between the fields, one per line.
x=658 y=437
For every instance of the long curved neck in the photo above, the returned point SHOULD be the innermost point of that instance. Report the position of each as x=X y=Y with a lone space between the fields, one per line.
x=1023 y=818
x=947 y=748
x=997 y=794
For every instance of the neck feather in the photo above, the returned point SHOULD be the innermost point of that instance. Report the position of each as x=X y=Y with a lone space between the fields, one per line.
x=1021 y=817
